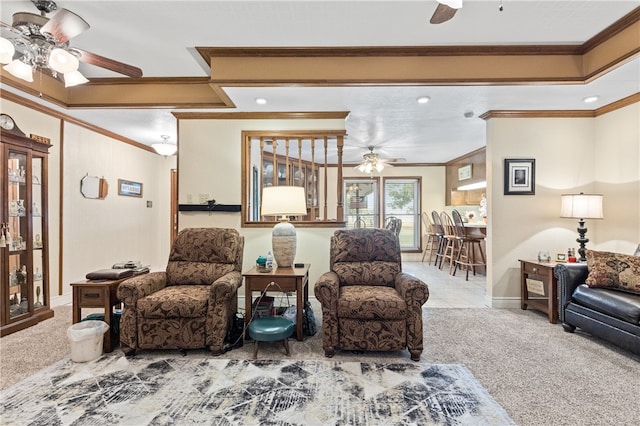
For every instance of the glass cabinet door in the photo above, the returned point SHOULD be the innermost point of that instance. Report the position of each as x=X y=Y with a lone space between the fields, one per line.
x=16 y=233
x=37 y=232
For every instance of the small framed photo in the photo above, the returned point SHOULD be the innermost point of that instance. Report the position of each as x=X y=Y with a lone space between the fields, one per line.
x=519 y=176
x=561 y=257
x=464 y=173
x=129 y=188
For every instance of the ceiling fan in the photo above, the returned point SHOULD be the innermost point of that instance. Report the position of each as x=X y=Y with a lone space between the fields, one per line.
x=445 y=11
x=371 y=161
x=43 y=43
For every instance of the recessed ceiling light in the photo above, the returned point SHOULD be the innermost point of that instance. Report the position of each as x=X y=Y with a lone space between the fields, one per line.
x=261 y=101
x=590 y=99
x=423 y=99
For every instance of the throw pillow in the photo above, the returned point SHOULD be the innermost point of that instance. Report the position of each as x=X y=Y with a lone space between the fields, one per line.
x=613 y=270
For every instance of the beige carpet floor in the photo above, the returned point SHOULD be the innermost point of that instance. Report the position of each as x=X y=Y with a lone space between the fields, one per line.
x=537 y=372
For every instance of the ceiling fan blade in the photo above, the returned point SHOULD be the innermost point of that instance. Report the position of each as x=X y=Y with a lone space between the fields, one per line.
x=442 y=14
x=65 y=25
x=392 y=160
x=110 y=64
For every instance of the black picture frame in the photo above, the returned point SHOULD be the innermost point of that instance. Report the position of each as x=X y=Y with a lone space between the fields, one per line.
x=519 y=176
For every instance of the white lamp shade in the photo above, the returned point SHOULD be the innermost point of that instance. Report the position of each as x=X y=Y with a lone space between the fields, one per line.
x=6 y=51
x=20 y=70
x=74 y=78
x=283 y=201
x=455 y=4
x=165 y=149
x=582 y=206
x=62 y=61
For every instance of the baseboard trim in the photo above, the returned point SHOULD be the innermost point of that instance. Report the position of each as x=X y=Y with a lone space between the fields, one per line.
x=504 y=302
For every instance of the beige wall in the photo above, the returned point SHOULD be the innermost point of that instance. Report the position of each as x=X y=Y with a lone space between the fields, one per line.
x=97 y=233
x=598 y=155
x=209 y=162
x=617 y=176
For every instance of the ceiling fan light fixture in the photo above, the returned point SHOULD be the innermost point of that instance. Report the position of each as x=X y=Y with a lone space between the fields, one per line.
x=454 y=4
x=7 y=51
x=20 y=70
x=62 y=61
x=74 y=78
x=379 y=167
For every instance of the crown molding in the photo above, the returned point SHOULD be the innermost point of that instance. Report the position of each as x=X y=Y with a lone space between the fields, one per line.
x=316 y=115
x=629 y=100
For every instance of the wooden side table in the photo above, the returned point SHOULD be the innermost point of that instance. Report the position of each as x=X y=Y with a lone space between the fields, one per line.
x=288 y=279
x=541 y=274
x=97 y=294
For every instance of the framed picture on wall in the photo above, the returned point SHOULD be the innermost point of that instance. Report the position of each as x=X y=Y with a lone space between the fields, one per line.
x=519 y=176
x=129 y=188
x=464 y=173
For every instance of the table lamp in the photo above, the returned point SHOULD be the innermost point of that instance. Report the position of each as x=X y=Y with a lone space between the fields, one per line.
x=582 y=206
x=283 y=201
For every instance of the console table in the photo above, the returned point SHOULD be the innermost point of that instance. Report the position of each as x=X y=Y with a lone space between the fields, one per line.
x=288 y=279
x=97 y=294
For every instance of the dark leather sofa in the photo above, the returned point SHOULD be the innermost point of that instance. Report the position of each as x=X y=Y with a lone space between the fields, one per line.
x=609 y=314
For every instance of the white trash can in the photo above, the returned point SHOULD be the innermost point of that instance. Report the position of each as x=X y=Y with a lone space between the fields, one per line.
x=86 y=340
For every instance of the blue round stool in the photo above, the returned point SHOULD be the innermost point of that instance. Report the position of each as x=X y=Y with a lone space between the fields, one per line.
x=270 y=329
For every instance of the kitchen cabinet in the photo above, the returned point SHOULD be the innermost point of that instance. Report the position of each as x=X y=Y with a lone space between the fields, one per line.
x=467 y=198
x=474 y=165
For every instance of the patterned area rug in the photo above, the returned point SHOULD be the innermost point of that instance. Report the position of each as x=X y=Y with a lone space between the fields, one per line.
x=149 y=390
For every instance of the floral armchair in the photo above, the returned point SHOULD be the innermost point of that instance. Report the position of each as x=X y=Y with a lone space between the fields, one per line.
x=191 y=304
x=368 y=303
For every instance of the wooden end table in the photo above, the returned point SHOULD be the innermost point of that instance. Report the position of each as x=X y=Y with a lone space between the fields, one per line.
x=539 y=272
x=97 y=294
x=288 y=279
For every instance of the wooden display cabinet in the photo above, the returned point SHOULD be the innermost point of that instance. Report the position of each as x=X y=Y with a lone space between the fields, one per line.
x=24 y=271
x=297 y=173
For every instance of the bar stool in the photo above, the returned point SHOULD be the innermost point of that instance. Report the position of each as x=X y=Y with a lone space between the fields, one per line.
x=452 y=244
x=431 y=239
x=468 y=244
x=439 y=231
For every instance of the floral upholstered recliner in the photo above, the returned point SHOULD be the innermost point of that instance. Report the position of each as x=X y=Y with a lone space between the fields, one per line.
x=368 y=303
x=191 y=304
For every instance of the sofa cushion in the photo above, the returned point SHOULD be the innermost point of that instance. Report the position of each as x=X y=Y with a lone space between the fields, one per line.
x=178 y=301
x=621 y=305
x=613 y=270
x=371 y=303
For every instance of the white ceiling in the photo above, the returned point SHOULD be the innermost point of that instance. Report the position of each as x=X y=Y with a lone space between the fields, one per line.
x=160 y=37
